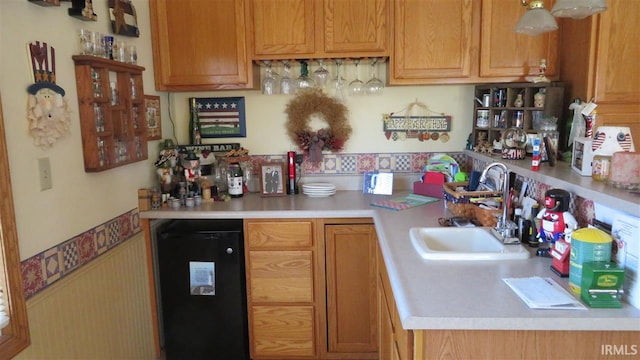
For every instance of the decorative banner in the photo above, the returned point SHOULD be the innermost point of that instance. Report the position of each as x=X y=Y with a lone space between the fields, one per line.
x=417 y=127
x=47 y=111
x=417 y=123
x=221 y=117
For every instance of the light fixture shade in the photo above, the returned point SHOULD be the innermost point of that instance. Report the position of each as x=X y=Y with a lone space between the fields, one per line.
x=578 y=9
x=536 y=21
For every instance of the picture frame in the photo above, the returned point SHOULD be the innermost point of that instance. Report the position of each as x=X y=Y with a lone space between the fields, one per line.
x=152 y=115
x=272 y=179
x=222 y=117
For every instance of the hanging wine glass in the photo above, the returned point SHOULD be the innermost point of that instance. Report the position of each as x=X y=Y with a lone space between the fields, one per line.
x=356 y=87
x=287 y=85
x=321 y=75
x=269 y=82
x=304 y=81
x=375 y=86
x=337 y=84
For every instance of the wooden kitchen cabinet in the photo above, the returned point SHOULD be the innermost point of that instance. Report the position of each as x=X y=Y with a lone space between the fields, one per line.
x=310 y=29
x=464 y=41
x=394 y=342
x=282 y=293
x=112 y=113
x=351 y=273
x=600 y=62
x=201 y=45
x=506 y=54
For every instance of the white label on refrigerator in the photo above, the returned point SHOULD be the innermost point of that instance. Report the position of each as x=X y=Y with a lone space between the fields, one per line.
x=202 y=278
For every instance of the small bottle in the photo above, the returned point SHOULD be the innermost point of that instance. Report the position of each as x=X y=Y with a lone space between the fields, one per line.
x=601 y=168
x=194 y=124
x=236 y=181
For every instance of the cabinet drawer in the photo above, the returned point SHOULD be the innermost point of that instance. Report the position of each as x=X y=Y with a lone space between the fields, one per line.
x=282 y=331
x=287 y=234
x=281 y=276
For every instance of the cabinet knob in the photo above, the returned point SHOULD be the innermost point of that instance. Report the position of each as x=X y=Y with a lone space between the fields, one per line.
x=229 y=251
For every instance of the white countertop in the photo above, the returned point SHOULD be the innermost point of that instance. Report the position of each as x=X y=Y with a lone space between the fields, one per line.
x=429 y=295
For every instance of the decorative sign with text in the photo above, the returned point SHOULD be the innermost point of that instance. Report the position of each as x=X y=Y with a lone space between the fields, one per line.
x=417 y=127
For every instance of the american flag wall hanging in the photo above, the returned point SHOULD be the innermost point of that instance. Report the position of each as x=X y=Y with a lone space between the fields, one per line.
x=221 y=117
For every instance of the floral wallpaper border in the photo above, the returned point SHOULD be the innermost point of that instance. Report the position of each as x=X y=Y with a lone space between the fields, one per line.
x=44 y=269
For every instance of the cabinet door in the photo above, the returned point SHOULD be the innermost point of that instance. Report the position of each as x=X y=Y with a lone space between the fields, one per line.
x=200 y=45
x=357 y=27
x=444 y=45
x=618 y=77
x=284 y=28
x=351 y=288
x=503 y=53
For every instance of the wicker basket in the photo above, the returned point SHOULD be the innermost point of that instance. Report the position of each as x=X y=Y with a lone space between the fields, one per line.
x=461 y=202
x=487 y=217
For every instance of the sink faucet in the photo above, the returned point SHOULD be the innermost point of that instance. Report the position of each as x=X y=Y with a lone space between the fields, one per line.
x=505 y=228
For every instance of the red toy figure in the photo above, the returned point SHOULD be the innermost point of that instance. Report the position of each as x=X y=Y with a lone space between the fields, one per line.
x=556 y=227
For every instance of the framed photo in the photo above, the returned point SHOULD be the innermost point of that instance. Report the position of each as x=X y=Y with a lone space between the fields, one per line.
x=154 y=123
x=272 y=179
x=221 y=117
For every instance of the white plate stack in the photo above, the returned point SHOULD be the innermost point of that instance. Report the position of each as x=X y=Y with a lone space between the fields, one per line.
x=318 y=189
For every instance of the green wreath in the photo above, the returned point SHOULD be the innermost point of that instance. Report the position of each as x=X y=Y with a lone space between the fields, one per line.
x=315 y=102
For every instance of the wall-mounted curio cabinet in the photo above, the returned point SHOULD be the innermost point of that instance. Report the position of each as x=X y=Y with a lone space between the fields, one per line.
x=112 y=114
x=528 y=106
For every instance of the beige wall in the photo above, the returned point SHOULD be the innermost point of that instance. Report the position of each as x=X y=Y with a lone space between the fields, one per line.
x=78 y=200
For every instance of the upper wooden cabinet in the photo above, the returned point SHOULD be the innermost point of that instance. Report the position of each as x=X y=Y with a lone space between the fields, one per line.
x=295 y=29
x=201 y=45
x=503 y=53
x=465 y=41
x=600 y=56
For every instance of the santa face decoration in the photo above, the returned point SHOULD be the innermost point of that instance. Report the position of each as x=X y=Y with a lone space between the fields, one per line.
x=47 y=110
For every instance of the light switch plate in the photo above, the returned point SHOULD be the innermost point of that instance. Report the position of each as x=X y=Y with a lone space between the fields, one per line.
x=44 y=173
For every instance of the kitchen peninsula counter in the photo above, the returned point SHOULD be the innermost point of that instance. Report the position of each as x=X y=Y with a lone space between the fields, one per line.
x=429 y=295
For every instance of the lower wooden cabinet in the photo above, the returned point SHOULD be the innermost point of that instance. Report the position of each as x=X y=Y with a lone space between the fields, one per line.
x=282 y=294
x=351 y=289
x=311 y=288
x=395 y=343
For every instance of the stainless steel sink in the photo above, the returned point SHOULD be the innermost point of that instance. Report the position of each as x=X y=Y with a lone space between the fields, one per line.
x=457 y=243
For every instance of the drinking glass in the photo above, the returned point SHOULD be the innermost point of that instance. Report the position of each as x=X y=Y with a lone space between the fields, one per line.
x=269 y=81
x=321 y=75
x=375 y=86
x=337 y=84
x=304 y=81
x=287 y=85
x=356 y=87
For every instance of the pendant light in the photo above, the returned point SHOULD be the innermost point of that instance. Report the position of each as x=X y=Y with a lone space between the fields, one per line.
x=536 y=20
x=578 y=9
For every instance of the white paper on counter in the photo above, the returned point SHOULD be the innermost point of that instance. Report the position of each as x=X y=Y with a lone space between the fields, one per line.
x=543 y=293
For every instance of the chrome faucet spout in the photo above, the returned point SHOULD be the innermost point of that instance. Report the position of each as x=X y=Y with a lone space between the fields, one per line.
x=505 y=227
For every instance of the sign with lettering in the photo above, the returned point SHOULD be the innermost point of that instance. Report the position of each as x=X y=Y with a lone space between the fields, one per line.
x=417 y=123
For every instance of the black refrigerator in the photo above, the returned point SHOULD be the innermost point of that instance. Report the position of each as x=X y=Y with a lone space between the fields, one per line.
x=199 y=268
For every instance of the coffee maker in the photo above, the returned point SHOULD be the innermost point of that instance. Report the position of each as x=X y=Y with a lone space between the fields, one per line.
x=293 y=161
